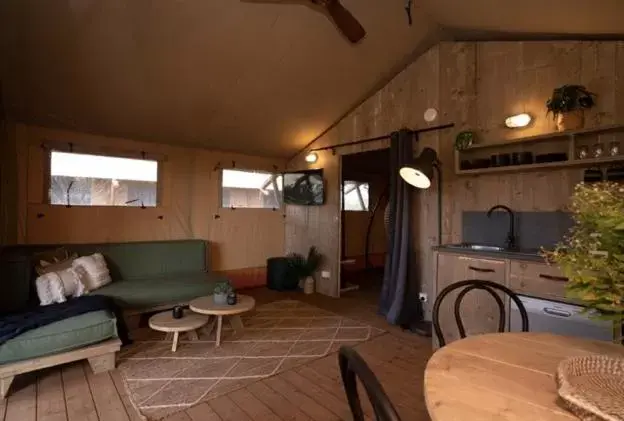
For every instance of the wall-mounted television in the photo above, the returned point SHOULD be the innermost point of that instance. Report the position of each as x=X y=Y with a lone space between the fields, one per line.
x=304 y=188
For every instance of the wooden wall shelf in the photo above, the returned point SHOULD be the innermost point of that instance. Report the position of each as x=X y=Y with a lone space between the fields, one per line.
x=562 y=142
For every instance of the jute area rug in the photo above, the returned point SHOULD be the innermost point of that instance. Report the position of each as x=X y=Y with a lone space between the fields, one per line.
x=277 y=337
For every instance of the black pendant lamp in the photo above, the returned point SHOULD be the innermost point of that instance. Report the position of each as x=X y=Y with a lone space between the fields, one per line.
x=419 y=172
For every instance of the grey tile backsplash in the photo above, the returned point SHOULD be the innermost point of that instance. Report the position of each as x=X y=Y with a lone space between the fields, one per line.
x=533 y=229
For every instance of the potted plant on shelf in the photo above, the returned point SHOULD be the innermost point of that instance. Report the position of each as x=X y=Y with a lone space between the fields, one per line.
x=304 y=268
x=220 y=292
x=592 y=255
x=568 y=104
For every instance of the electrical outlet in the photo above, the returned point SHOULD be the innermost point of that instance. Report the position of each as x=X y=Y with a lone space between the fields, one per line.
x=423 y=297
x=325 y=274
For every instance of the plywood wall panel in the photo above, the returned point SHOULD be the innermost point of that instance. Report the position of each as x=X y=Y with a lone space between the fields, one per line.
x=597 y=71
x=319 y=226
x=618 y=92
x=475 y=86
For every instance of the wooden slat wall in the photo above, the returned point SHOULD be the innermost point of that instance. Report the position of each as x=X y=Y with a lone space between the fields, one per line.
x=319 y=226
x=475 y=86
x=189 y=201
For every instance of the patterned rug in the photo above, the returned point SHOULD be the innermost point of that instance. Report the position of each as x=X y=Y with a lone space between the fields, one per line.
x=277 y=337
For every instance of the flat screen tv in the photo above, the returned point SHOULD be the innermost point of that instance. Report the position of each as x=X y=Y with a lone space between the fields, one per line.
x=304 y=188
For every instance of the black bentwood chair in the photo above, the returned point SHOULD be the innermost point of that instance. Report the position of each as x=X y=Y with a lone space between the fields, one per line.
x=469 y=285
x=352 y=367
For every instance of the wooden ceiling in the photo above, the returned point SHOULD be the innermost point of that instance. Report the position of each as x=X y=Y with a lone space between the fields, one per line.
x=257 y=78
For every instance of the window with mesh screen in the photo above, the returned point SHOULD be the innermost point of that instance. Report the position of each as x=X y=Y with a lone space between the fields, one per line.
x=78 y=179
x=355 y=196
x=250 y=189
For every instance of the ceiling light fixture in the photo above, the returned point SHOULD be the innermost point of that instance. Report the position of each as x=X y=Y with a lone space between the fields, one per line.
x=311 y=158
x=518 y=120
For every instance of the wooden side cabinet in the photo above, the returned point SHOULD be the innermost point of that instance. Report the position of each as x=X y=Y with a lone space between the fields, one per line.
x=479 y=310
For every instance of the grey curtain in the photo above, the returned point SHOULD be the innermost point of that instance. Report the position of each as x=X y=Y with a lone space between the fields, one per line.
x=399 y=299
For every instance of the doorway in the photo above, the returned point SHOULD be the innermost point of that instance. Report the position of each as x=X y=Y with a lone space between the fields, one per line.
x=364 y=196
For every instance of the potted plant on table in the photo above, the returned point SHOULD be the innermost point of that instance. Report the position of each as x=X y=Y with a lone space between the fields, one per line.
x=304 y=268
x=567 y=105
x=592 y=255
x=220 y=292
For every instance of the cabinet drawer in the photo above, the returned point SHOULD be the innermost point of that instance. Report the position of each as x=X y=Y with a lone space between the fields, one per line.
x=485 y=269
x=537 y=279
x=479 y=310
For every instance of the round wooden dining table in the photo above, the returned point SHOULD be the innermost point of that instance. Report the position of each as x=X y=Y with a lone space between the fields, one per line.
x=503 y=376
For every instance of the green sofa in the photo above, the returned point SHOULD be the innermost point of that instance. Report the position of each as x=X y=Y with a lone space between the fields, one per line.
x=147 y=276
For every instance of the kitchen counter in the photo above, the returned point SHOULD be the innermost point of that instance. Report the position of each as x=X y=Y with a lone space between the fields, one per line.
x=530 y=255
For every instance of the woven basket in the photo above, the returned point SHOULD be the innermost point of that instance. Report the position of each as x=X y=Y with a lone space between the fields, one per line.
x=592 y=387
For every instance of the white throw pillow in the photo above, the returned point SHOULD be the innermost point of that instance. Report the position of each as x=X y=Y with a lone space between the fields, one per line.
x=53 y=287
x=93 y=271
x=73 y=284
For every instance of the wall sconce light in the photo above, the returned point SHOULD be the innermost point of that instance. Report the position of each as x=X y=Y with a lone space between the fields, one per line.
x=518 y=120
x=311 y=158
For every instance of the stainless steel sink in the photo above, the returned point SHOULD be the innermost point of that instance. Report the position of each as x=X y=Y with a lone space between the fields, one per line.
x=478 y=247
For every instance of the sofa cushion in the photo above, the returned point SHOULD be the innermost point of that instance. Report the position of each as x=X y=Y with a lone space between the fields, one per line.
x=156 y=291
x=126 y=261
x=140 y=260
x=71 y=333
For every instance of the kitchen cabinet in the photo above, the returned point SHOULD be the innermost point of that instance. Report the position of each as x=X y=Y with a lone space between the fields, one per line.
x=537 y=279
x=479 y=310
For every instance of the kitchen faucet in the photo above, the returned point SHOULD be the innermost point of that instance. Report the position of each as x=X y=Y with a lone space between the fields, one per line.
x=510 y=242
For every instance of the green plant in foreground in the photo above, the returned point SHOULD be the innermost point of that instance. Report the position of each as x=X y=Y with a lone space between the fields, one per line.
x=304 y=267
x=592 y=255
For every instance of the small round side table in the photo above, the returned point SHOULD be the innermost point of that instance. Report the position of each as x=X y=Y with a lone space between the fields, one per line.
x=189 y=323
x=206 y=305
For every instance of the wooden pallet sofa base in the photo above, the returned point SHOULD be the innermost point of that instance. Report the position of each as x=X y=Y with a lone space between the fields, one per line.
x=101 y=358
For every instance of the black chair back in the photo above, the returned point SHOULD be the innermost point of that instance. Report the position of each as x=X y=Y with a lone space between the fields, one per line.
x=469 y=285
x=352 y=366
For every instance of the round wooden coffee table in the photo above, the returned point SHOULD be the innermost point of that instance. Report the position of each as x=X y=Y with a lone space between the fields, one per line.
x=206 y=305
x=189 y=323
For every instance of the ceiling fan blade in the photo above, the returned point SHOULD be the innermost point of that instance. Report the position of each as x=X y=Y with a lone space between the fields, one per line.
x=345 y=21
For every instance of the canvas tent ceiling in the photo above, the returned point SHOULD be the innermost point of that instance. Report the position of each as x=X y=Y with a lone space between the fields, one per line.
x=234 y=75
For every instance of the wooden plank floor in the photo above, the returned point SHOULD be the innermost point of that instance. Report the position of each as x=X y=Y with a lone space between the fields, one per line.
x=312 y=392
